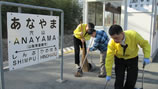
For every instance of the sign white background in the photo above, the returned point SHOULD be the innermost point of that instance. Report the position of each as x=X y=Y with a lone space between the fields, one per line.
x=32 y=39
x=139 y=6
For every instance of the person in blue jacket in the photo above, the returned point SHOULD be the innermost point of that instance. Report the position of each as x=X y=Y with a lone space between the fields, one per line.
x=100 y=42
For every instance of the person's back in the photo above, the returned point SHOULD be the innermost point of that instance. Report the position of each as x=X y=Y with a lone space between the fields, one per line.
x=102 y=40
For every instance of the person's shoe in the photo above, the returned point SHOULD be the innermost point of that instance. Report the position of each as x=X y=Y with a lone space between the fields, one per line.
x=102 y=75
x=77 y=66
x=79 y=70
x=90 y=67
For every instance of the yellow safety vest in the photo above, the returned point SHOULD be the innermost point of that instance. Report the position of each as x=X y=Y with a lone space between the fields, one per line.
x=133 y=39
x=78 y=31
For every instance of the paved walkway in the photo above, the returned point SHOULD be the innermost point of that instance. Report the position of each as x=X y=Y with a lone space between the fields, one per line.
x=44 y=76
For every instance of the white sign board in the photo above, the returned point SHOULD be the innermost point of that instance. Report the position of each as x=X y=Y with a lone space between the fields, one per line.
x=32 y=39
x=139 y=5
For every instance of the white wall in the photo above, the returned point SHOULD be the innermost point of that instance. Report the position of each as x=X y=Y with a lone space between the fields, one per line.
x=141 y=23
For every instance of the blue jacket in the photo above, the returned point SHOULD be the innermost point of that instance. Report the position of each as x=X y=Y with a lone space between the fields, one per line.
x=100 y=41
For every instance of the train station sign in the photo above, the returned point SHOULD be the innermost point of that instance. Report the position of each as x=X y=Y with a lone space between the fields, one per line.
x=32 y=39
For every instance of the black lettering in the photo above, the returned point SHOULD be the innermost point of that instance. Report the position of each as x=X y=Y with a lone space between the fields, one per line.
x=37 y=38
x=14 y=63
x=34 y=58
x=48 y=38
x=26 y=60
x=16 y=41
x=15 y=24
x=54 y=38
x=30 y=58
x=24 y=40
x=43 y=38
x=19 y=61
x=31 y=40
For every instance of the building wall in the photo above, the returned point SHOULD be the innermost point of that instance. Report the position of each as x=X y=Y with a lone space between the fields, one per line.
x=140 y=19
x=141 y=23
x=155 y=33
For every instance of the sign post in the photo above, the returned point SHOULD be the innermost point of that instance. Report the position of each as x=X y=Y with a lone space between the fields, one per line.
x=32 y=47
x=1 y=52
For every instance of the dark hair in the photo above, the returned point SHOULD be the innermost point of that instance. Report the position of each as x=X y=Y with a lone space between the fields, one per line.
x=90 y=31
x=90 y=25
x=115 y=29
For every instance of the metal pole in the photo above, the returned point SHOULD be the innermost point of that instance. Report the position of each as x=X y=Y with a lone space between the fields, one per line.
x=155 y=17
x=62 y=37
x=104 y=15
x=19 y=10
x=1 y=54
x=51 y=13
x=153 y=22
x=62 y=33
x=86 y=11
x=29 y=6
x=125 y=15
x=83 y=10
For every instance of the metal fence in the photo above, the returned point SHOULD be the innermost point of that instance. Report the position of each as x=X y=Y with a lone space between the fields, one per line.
x=20 y=6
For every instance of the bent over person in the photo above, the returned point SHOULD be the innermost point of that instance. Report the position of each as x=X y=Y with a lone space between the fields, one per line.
x=100 y=42
x=80 y=36
x=123 y=51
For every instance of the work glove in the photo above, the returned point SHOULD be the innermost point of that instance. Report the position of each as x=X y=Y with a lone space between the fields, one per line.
x=146 y=61
x=108 y=78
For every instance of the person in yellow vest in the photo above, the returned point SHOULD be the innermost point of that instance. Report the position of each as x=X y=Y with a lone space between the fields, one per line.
x=80 y=36
x=123 y=51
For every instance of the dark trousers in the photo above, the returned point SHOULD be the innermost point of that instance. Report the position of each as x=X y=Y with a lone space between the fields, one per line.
x=131 y=66
x=77 y=45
